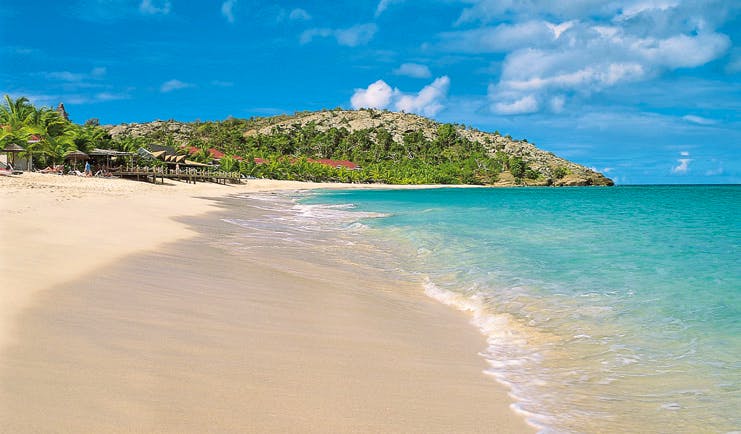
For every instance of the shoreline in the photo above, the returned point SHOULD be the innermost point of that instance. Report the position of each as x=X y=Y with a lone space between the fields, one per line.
x=156 y=223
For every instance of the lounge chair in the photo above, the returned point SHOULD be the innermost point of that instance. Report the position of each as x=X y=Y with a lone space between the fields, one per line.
x=8 y=170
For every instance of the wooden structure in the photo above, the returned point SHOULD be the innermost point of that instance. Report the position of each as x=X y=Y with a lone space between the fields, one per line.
x=188 y=174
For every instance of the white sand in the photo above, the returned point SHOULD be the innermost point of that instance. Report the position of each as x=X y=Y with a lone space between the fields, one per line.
x=341 y=360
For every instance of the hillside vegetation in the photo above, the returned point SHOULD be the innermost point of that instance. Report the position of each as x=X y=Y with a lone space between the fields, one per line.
x=390 y=147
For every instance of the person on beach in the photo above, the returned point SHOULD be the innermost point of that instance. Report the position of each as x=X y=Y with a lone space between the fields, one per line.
x=88 y=170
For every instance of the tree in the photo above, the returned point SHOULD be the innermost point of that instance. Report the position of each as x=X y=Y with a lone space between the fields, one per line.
x=517 y=167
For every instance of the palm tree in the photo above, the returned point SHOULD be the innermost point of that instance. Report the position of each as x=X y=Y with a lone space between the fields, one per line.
x=17 y=123
x=16 y=120
x=89 y=137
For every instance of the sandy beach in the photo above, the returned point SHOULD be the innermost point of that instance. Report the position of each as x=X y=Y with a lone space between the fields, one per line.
x=119 y=315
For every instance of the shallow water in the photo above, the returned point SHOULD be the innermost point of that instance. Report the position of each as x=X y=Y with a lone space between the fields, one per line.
x=605 y=309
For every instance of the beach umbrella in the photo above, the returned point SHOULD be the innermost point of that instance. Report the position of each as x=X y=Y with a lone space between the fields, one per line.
x=11 y=149
x=75 y=156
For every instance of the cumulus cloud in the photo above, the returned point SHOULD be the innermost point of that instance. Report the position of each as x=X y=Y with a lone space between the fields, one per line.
x=526 y=104
x=377 y=95
x=428 y=101
x=227 y=10
x=174 y=84
x=501 y=38
x=414 y=70
x=299 y=14
x=353 y=36
x=557 y=49
x=151 y=7
x=684 y=164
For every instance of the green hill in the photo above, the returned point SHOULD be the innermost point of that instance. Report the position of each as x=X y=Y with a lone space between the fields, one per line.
x=389 y=147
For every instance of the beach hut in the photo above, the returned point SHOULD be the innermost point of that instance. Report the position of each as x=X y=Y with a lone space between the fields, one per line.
x=75 y=156
x=11 y=149
x=109 y=156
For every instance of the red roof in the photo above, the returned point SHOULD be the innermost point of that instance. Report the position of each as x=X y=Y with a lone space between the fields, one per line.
x=34 y=138
x=335 y=163
x=213 y=152
x=216 y=154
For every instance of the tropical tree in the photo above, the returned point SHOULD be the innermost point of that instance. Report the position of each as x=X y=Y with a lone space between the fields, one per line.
x=17 y=121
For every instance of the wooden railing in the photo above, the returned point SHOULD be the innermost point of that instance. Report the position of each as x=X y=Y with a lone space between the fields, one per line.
x=152 y=174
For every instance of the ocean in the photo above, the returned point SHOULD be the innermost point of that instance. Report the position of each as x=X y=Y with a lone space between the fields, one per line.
x=604 y=309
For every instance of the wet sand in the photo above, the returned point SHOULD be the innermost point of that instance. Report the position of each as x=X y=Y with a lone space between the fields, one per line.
x=172 y=333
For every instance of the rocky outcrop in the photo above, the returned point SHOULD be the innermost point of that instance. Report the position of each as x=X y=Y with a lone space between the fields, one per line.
x=553 y=170
x=62 y=111
x=158 y=130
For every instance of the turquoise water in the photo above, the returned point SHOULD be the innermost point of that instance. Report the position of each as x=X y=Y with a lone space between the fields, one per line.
x=605 y=309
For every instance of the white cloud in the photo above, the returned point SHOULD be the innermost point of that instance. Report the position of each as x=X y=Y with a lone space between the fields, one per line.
x=413 y=70
x=353 y=36
x=558 y=29
x=377 y=95
x=384 y=4
x=586 y=46
x=682 y=51
x=65 y=75
x=356 y=35
x=683 y=166
x=299 y=14
x=52 y=99
x=684 y=153
x=227 y=10
x=501 y=38
x=110 y=96
x=174 y=84
x=76 y=77
x=698 y=120
x=151 y=7
x=309 y=35
x=638 y=7
x=428 y=101
x=524 y=105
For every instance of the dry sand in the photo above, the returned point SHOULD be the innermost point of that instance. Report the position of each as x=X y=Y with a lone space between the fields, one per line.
x=116 y=316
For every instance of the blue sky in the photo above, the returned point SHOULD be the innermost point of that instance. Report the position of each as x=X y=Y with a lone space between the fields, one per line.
x=646 y=91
